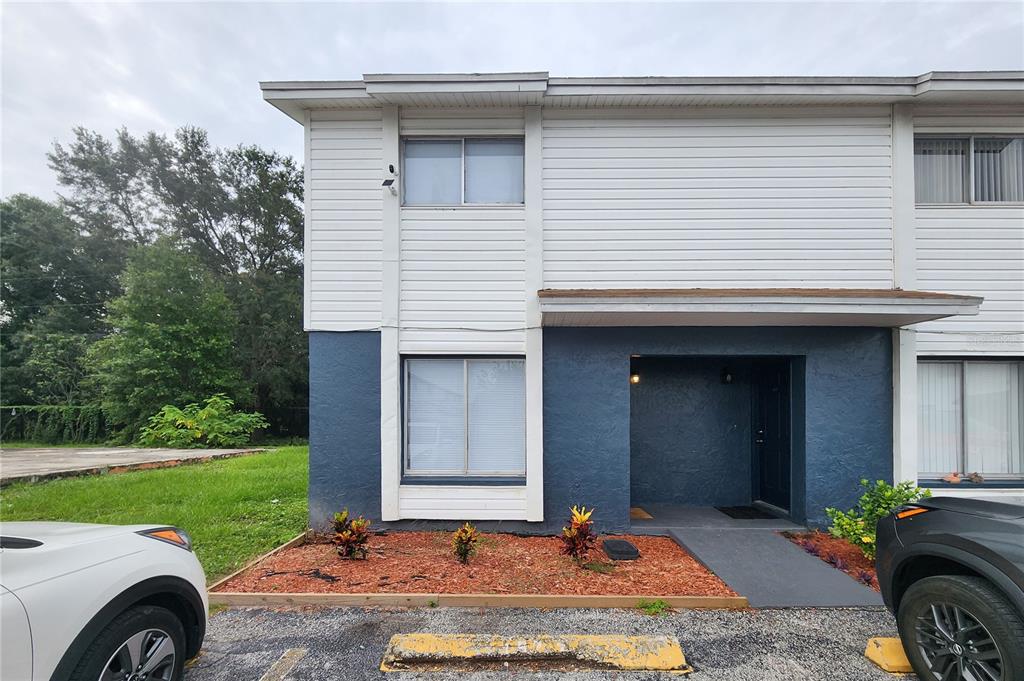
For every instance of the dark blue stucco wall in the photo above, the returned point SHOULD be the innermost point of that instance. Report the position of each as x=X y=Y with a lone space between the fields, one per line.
x=344 y=424
x=844 y=373
x=847 y=411
x=690 y=432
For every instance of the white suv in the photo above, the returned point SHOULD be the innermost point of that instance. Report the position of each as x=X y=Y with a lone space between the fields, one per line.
x=98 y=602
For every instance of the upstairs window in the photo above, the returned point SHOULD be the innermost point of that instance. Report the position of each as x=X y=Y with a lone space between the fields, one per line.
x=969 y=169
x=462 y=171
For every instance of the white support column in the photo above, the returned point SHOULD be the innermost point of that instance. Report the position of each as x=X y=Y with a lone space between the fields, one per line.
x=307 y=224
x=904 y=405
x=904 y=250
x=903 y=222
x=390 y=361
x=533 y=198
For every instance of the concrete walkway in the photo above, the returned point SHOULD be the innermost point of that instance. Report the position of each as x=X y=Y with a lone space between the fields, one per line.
x=17 y=465
x=771 y=571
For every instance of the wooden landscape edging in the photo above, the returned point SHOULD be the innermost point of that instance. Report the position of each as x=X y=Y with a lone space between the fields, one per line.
x=244 y=599
x=297 y=540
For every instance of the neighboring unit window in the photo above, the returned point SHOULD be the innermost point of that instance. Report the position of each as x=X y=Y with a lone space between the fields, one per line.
x=969 y=169
x=452 y=172
x=971 y=418
x=465 y=417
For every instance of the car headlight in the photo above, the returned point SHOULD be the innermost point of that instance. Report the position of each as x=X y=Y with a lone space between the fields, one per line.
x=171 y=535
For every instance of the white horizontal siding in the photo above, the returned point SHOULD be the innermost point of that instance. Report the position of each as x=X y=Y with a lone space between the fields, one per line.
x=463 y=279
x=977 y=250
x=968 y=119
x=345 y=202
x=718 y=198
x=467 y=121
x=462 y=502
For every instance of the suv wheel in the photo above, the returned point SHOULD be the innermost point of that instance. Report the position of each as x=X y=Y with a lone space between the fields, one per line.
x=961 y=629
x=144 y=643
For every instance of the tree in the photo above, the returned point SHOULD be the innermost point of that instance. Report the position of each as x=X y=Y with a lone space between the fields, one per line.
x=54 y=282
x=171 y=339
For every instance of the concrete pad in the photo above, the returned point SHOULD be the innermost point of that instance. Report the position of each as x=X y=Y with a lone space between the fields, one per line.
x=624 y=653
x=668 y=516
x=889 y=655
x=30 y=465
x=771 y=571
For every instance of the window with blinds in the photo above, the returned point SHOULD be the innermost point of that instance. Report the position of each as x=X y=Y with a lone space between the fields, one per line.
x=465 y=417
x=971 y=418
x=969 y=169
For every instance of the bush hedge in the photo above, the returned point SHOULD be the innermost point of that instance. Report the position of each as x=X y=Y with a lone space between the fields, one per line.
x=53 y=424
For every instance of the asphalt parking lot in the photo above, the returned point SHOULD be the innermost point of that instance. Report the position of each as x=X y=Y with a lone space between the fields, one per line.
x=721 y=645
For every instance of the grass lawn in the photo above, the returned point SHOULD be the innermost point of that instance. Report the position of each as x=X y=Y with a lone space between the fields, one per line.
x=235 y=509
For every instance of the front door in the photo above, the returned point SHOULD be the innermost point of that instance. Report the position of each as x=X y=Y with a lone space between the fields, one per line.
x=771 y=432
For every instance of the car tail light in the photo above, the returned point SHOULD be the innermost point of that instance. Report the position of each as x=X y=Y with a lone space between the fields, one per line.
x=909 y=511
x=171 y=535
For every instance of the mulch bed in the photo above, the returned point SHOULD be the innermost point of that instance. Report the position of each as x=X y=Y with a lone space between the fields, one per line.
x=838 y=553
x=422 y=562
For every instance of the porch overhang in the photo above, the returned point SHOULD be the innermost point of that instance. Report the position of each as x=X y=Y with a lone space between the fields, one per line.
x=749 y=307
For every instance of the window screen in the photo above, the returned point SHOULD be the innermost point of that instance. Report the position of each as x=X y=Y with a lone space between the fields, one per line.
x=494 y=171
x=433 y=172
x=940 y=170
x=999 y=169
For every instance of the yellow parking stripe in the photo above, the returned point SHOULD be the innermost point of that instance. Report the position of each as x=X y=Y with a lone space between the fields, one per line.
x=627 y=653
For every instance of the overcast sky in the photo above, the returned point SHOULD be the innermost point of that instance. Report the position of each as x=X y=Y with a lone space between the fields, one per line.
x=151 y=66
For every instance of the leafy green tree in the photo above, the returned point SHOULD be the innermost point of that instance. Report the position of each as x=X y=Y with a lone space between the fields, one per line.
x=171 y=339
x=54 y=282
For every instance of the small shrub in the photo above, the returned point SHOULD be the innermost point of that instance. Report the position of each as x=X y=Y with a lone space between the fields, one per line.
x=655 y=608
x=865 y=577
x=351 y=535
x=857 y=525
x=215 y=424
x=578 y=539
x=464 y=542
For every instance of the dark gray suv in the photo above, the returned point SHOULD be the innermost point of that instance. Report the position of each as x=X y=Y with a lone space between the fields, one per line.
x=952 y=571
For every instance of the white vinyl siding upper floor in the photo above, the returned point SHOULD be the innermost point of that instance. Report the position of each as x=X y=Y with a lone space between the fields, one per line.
x=718 y=198
x=972 y=249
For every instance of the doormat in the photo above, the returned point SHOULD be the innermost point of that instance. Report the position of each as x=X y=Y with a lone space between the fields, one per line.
x=637 y=513
x=745 y=513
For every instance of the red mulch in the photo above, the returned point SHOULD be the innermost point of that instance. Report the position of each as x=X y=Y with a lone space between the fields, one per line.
x=422 y=562
x=856 y=564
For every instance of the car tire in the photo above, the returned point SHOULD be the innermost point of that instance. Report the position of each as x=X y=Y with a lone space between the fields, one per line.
x=932 y=648
x=140 y=629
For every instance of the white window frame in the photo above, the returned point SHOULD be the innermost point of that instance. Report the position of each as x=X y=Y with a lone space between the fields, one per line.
x=465 y=473
x=963 y=363
x=969 y=175
x=462 y=172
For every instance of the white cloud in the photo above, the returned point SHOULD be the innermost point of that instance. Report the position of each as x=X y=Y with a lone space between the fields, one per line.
x=163 y=65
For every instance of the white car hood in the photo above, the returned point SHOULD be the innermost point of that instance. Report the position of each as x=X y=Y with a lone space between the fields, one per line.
x=67 y=534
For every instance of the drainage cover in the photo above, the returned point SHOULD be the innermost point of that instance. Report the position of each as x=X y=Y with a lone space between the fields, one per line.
x=620 y=549
x=456 y=652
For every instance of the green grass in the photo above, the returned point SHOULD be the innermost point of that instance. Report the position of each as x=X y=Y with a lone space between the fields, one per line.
x=235 y=509
x=655 y=608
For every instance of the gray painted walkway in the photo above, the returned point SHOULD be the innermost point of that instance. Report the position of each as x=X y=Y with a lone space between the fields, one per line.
x=771 y=571
x=40 y=464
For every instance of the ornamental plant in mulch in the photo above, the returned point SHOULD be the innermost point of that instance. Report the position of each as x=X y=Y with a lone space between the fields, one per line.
x=464 y=542
x=351 y=535
x=838 y=553
x=578 y=539
x=857 y=525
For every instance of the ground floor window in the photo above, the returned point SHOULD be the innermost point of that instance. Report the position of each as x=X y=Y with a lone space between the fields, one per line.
x=465 y=417
x=971 y=418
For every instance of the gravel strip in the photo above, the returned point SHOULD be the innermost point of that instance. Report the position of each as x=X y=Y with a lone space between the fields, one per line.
x=722 y=645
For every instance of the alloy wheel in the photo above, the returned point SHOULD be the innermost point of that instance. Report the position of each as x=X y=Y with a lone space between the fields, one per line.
x=147 y=656
x=956 y=645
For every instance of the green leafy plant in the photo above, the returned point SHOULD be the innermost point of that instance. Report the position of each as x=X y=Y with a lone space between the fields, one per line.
x=351 y=535
x=655 y=608
x=215 y=424
x=578 y=539
x=53 y=423
x=464 y=542
x=600 y=568
x=857 y=525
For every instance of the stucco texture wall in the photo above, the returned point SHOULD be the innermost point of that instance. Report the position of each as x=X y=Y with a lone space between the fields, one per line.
x=846 y=381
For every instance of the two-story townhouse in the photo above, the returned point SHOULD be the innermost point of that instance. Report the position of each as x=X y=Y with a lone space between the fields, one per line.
x=525 y=292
